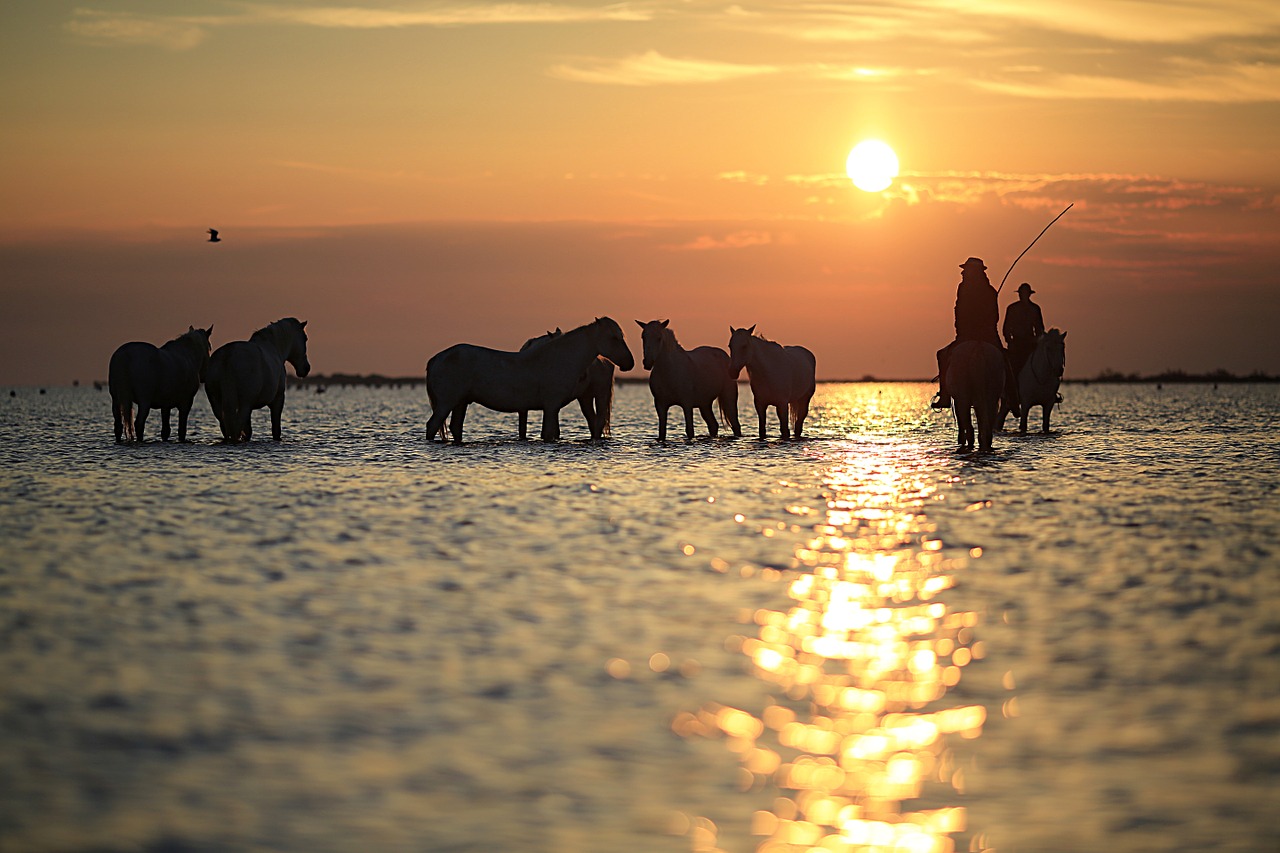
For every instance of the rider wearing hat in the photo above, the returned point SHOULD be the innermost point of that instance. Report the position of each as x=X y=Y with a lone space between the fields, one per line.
x=1023 y=326
x=977 y=313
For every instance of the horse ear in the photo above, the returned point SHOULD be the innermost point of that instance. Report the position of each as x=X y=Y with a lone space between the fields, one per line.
x=558 y=332
x=752 y=330
x=664 y=323
x=209 y=331
x=638 y=323
x=303 y=324
x=191 y=328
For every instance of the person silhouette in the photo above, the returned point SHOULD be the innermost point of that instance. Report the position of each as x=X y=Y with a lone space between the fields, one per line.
x=1023 y=326
x=977 y=312
x=213 y=236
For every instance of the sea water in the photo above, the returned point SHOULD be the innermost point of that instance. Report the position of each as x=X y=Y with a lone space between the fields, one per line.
x=358 y=640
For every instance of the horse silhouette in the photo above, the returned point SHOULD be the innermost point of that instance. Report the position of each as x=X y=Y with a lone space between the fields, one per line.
x=975 y=378
x=151 y=377
x=594 y=392
x=213 y=236
x=691 y=379
x=781 y=376
x=545 y=376
x=1040 y=377
x=247 y=375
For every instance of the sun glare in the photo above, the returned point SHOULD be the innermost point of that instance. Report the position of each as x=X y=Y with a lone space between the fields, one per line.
x=872 y=165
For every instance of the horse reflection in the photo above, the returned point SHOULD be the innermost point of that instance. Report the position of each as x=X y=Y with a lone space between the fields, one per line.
x=248 y=375
x=152 y=377
x=781 y=377
x=594 y=392
x=691 y=379
x=543 y=377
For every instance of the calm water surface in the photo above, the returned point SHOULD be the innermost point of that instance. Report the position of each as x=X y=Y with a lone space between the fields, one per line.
x=354 y=640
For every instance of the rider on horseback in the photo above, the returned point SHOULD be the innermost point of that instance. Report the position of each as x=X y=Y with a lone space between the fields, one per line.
x=1023 y=326
x=977 y=313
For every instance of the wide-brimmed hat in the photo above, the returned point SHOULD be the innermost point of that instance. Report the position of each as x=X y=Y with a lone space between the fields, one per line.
x=1026 y=287
x=972 y=263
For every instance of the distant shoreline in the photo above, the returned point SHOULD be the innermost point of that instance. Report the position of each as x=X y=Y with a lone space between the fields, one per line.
x=1171 y=377
x=1107 y=377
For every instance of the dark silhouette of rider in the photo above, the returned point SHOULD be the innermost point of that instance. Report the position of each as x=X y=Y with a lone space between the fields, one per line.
x=1023 y=326
x=977 y=313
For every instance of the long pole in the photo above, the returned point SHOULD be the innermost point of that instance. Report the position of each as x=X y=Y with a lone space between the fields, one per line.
x=1028 y=249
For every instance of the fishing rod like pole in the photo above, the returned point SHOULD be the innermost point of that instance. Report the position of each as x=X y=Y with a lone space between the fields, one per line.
x=1033 y=242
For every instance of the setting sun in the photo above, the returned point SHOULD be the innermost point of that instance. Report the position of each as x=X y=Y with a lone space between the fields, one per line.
x=872 y=165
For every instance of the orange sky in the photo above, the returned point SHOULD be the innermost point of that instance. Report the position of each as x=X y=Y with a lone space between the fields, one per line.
x=409 y=175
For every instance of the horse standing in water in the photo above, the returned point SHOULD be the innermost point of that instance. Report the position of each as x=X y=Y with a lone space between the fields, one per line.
x=782 y=377
x=689 y=379
x=152 y=377
x=544 y=376
x=247 y=375
x=1040 y=377
x=975 y=378
x=594 y=392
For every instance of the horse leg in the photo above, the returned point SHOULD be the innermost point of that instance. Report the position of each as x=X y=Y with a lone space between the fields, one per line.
x=964 y=426
x=1044 y=411
x=783 y=426
x=456 y=417
x=799 y=412
x=729 y=407
x=595 y=420
x=119 y=419
x=246 y=427
x=709 y=415
x=165 y=432
x=986 y=425
x=277 y=408
x=524 y=425
x=183 y=411
x=762 y=413
x=435 y=423
x=688 y=422
x=1022 y=419
x=662 y=422
x=140 y=422
x=551 y=424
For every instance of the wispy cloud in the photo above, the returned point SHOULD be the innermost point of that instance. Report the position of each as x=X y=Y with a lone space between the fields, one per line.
x=733 y=240
x=183 y=32
x=1183 y=80
x=654 y=69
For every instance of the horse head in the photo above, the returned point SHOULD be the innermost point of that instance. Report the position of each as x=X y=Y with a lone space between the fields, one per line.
x=1054 y=343
x=739 y=348
x=611 y=344
x=298 y=346
x=652 y=335
x=198 y=340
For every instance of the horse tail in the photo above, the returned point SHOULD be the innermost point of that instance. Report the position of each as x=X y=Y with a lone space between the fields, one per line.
x=229 y=417
x=121 y=387
x=434 y=402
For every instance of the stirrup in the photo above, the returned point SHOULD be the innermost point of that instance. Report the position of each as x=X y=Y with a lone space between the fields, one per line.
x=940 y=401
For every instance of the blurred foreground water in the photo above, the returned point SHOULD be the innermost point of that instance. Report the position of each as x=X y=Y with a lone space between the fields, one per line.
x=355 y=640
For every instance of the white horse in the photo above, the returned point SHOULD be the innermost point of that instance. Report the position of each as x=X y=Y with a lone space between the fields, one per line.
x=782 y=377
x=689 y=379
x=594 y=392
x=247 y=375
x=1040 y=377
x=545 y=376
x=975 y=378
x=152 y=377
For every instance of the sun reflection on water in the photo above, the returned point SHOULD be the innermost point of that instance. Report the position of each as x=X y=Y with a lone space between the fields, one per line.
x=857 y=739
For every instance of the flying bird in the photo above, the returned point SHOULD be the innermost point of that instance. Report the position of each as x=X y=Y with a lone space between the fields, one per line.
x=213 y=236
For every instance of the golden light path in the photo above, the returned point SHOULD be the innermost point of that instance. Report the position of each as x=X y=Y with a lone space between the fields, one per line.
x=859 y=667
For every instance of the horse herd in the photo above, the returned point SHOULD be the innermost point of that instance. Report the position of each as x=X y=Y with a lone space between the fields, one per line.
x=546 y=374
